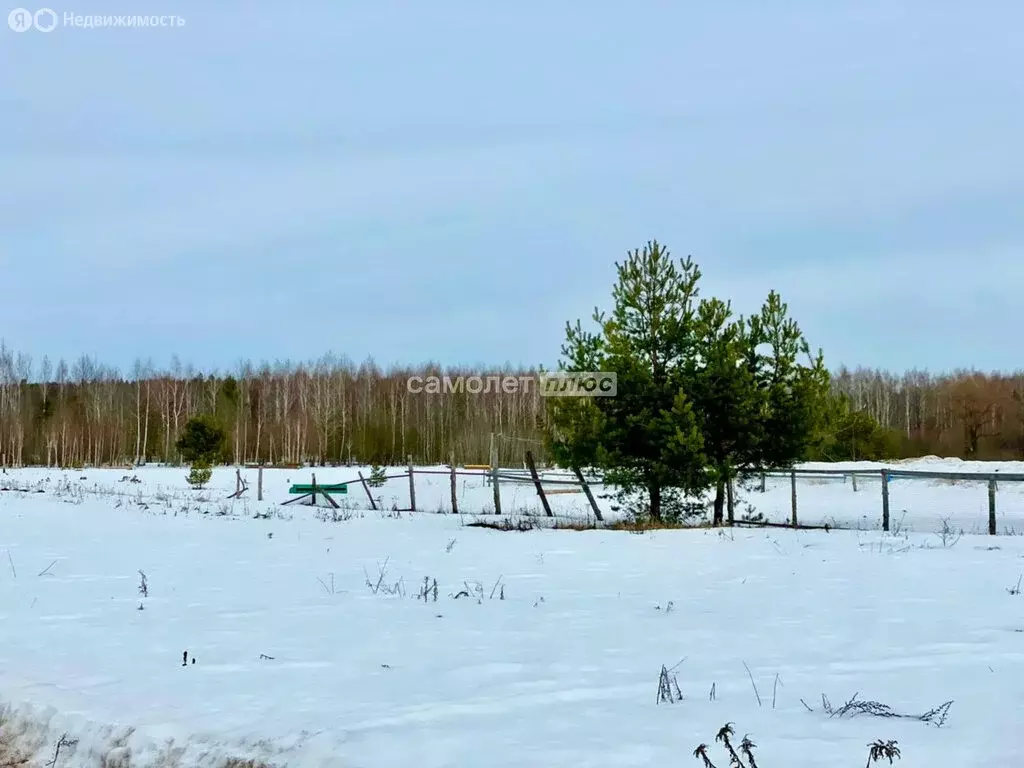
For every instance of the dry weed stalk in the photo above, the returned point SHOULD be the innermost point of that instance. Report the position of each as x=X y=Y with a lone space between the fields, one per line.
x=743 y=755
x=379 y=587
x=741 y=758
x=62 y=742
x=668 y=686
x=882 y=750
x=427 y=590
x=1016 y=589
x=854 y=706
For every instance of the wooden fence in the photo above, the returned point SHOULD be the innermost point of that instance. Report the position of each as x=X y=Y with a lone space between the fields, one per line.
x=493 y=475
x=496 y=477
x=885 y=475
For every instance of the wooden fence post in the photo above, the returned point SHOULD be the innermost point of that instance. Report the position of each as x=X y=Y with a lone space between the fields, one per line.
x=494 y=476
x=455 y=495
x=590 y=495
x=313 y=502
x=259 y=483
x=373 y=504
x=412 y=487
x=537 y=485
x=792 y=493
x=992 y=507
x=853 y=477
x=762 y=482
x=885 y=499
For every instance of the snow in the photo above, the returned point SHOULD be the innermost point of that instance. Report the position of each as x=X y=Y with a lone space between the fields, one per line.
x=562 y=671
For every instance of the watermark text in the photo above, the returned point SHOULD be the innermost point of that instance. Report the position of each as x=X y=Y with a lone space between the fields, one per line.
x=555 y=384
x=47 y=20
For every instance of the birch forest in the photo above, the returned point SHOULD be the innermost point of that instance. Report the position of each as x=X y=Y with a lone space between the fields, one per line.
x=333 y=411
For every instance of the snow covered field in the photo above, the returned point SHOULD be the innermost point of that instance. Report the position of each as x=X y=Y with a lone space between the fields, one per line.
x=541 y=649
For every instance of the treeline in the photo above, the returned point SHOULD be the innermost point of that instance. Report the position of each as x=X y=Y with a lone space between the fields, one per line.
x=963 y=414
x=335 y=411
x=326 y=411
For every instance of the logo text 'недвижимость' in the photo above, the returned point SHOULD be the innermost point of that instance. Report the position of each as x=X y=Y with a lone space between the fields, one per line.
x=47 y=20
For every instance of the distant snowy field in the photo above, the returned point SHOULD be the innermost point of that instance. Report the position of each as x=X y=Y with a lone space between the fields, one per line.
x=306 y=655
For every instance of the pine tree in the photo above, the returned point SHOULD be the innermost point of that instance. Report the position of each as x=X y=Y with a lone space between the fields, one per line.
x=797 y=393
x=378 y=476
x=703 y=396
x=727 y=394
x=200 y=473
x=760 y=406
x=646 y=437
x=845 y=434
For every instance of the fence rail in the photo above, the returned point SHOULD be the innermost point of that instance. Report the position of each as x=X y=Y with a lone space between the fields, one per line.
x=547 y=485
x=886 y=475
x=924 y=474
x=799 y=497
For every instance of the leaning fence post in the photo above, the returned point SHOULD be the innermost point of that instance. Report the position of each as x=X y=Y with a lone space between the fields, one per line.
x=373 y=504
x=792 y=492
x=590 y=495
x=885 y=499
x=537 y=484
x=992 y=507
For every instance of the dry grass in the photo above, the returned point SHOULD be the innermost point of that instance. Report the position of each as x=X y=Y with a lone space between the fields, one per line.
x=18 y=742
x=640 y=526
x=27 y=741
x=524 y=523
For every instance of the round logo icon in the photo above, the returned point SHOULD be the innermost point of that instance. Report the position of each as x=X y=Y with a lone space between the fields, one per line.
x=20 y=20
x=45 y=20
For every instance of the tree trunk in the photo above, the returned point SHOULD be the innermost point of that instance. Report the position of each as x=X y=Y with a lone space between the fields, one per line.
x=730 y=500
x=719 y=513
x=654 y=488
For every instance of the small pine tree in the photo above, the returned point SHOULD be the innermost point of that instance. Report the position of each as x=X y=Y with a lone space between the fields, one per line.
x=200 y=473
x=377 y=476
x=846 y=434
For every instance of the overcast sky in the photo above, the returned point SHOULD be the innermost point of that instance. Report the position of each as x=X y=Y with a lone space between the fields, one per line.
x=453 y=180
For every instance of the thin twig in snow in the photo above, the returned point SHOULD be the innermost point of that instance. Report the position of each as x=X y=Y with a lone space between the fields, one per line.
x=750 y=674
x=64 y=741
x=495 y=587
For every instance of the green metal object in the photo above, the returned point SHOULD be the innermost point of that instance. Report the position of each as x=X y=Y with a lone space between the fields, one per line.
x=336 y=488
